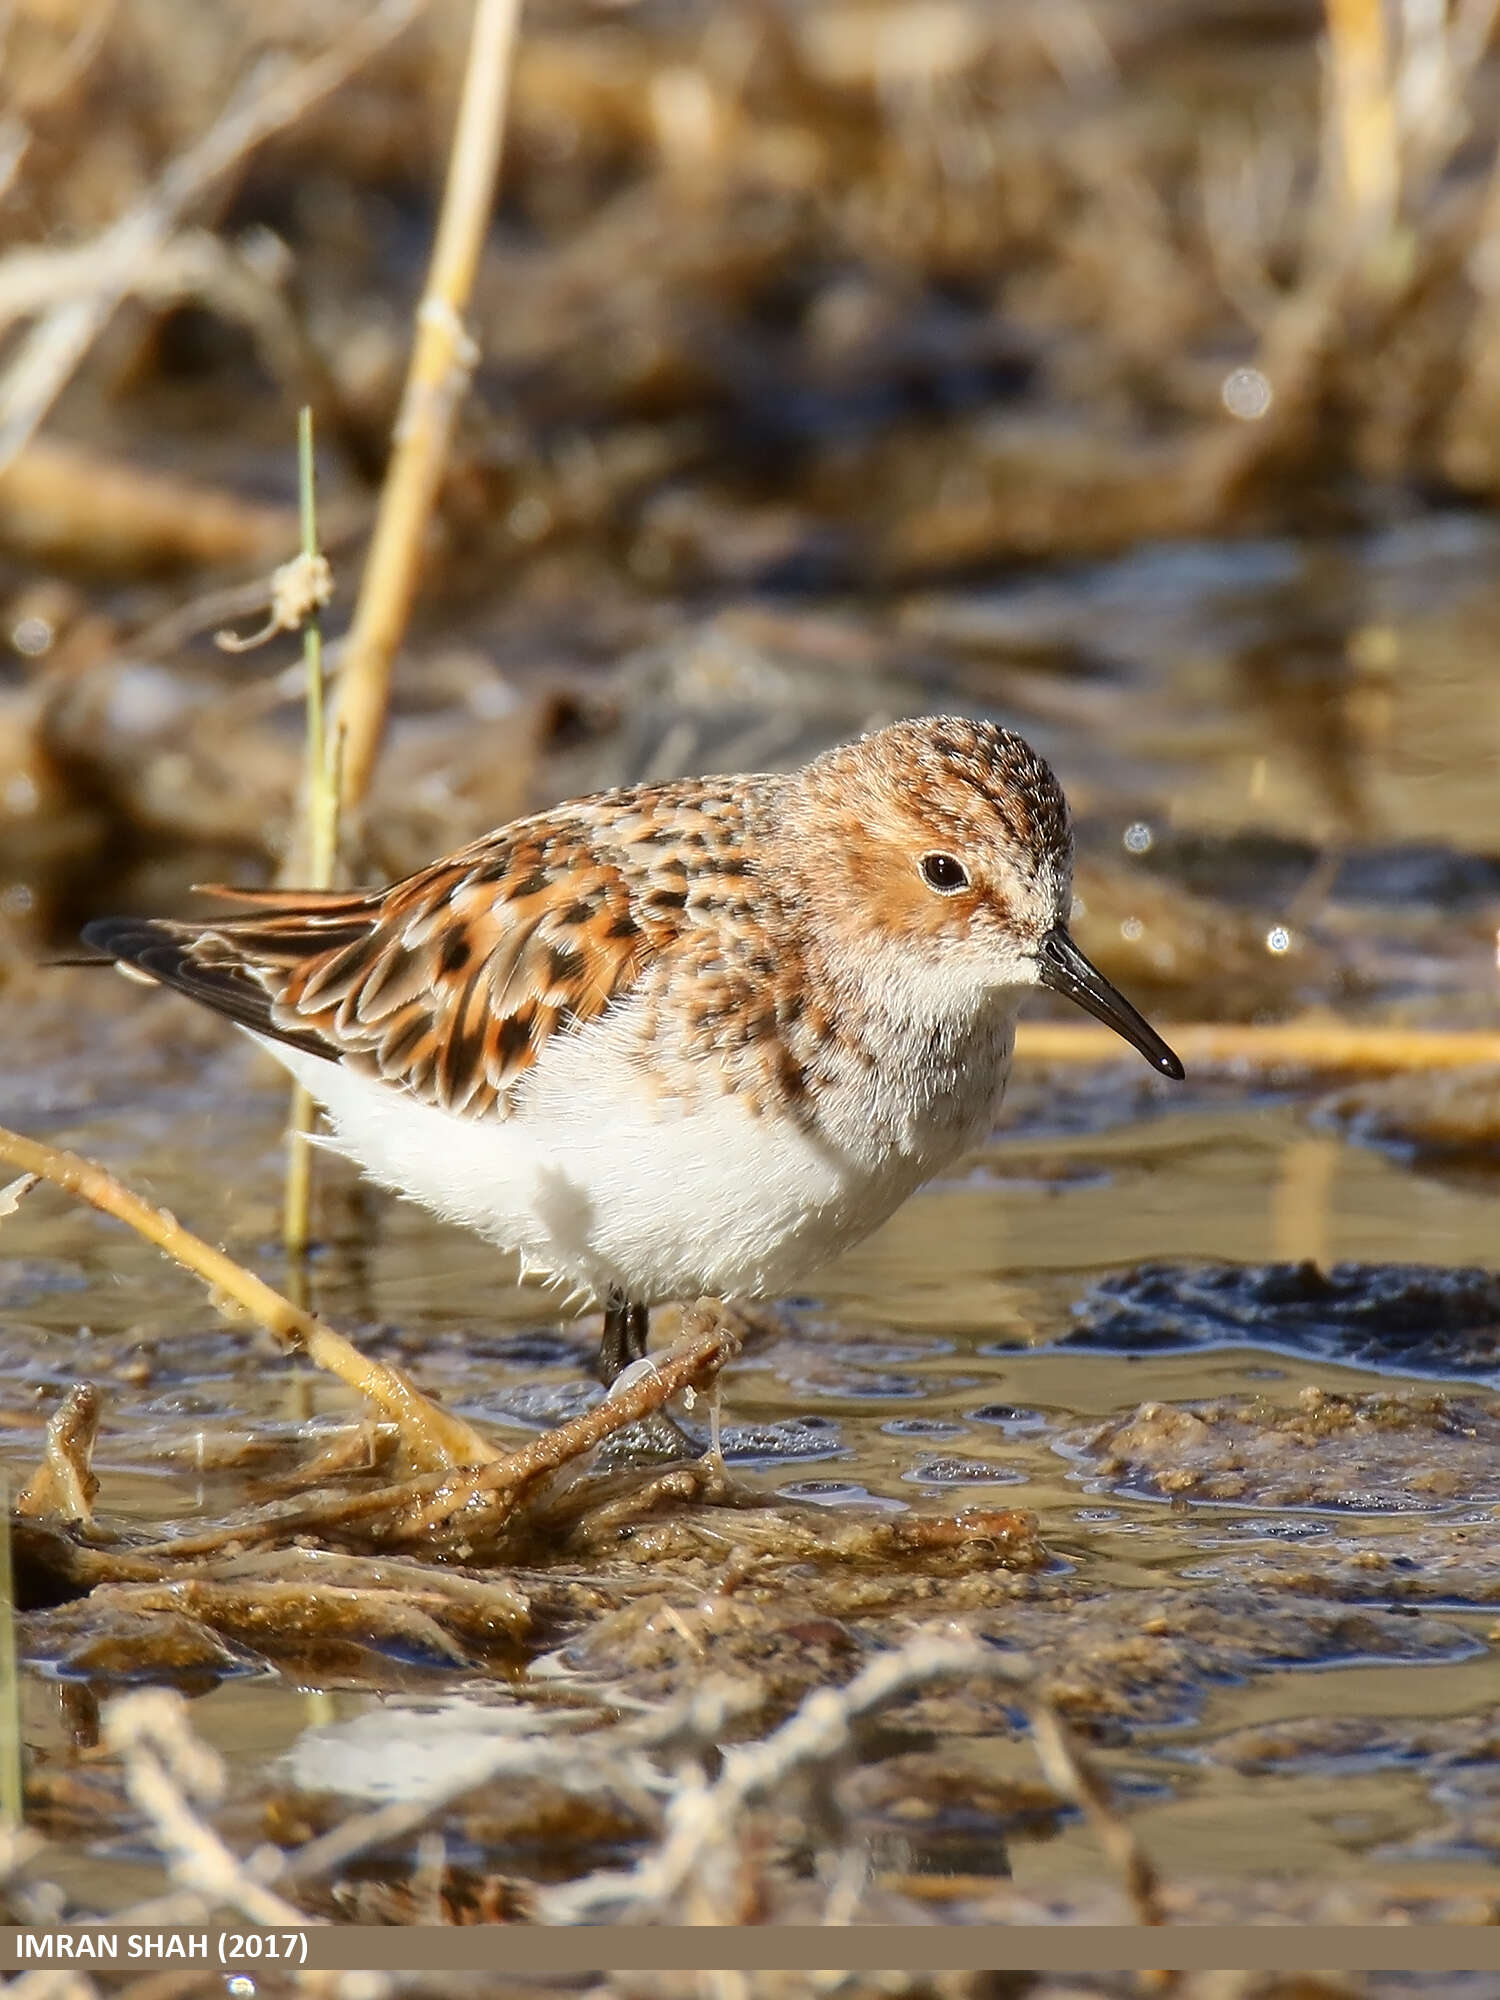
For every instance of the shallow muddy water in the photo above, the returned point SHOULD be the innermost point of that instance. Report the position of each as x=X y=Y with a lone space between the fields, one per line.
x=1177 y=1324
x=927 y=1374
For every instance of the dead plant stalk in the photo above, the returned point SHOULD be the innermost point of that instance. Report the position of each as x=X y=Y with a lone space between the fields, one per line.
x=1365 y=118
x=442 y=360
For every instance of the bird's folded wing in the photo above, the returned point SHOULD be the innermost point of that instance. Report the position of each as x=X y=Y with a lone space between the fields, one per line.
x=448 y=984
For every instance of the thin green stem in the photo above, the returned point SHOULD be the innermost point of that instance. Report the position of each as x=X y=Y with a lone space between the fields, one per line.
x=323 y=760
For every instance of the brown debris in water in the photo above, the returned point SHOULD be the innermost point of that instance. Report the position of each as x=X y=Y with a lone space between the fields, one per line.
x=260 y=1586
x=1456 y=1113
x=314 y=1580
x=64 y=1484
x=1380 y=1453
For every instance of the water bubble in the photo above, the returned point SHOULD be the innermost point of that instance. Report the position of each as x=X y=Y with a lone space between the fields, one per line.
x=32 y=636
x=1246 y=394
x=1138 y=838
x=529 y=519
x=1132 y=929
x=20 y=795
x=241 y=1986
x=1374 y=649
x=1278 y=939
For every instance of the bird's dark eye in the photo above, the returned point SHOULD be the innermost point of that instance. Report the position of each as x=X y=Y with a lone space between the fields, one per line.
x=943 y=873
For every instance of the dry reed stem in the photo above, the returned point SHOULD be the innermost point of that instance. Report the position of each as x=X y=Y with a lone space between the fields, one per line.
x=1365 y=119
x=57 y=343
x=430 y=1435
x=442 y=359
x=1305 y=1044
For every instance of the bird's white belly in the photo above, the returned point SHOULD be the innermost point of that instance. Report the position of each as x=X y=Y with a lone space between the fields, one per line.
x=598 y=1182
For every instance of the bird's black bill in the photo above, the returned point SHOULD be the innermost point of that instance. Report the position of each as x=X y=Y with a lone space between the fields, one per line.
x=1065 y=969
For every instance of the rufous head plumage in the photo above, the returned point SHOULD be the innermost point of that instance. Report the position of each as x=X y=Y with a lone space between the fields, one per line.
x=943 y=848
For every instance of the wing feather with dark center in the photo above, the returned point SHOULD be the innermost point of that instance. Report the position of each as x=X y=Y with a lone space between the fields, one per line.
x=447 y=984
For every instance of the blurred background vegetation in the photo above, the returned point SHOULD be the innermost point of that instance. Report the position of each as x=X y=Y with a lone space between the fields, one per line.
x=801 y=326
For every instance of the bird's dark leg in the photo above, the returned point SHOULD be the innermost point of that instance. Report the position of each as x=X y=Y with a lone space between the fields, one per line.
x=623 y=1341
x=624 y=1337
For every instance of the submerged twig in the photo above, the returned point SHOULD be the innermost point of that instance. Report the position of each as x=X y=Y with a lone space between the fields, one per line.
x=1306 y=1044
x=709 y=1338
x=442 y=359
x=1070 y=1772
x=470 y=1509
x=432 y=1437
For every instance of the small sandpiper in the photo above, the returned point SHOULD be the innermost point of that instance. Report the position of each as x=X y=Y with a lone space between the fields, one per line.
x=681 y=1039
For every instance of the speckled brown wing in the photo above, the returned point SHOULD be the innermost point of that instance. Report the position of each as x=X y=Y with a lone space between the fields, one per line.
x=449 y=983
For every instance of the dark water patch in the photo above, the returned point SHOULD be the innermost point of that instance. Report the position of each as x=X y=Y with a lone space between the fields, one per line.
x=1259 y=869
x=1011 y=1418
x=1417 y=1319
x=1274 y=1530
x=863 y=1385
x=23 y=1279
x=537 y=1405
x=963 y=1472
x=538 y=1347
x=781 y=1442
x=922 y=1427
x=832 y=1493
